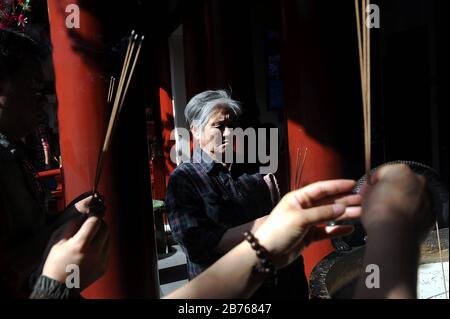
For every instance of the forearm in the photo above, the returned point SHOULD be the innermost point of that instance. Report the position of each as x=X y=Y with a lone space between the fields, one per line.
x=234 y=236
x=395 y=250
x=230 y=277
x=49 y=288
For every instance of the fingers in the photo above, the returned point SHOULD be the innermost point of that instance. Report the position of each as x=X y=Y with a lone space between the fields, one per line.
x=87 y=231
x=83 y=205
x=351 y=213
x=345 y=199
x=316 y=191
x=321 y=214
x=327 y=232
x=70 y=227
x=326 y=213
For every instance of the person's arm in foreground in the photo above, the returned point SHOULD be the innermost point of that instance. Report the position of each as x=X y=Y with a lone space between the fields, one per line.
x=293 y=224
x=233 y=236
x=397 y=218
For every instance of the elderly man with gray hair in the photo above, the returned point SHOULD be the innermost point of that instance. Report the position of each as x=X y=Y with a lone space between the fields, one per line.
x=211 y=202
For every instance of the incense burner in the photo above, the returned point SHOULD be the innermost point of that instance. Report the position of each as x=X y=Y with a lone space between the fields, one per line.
x=336 y=276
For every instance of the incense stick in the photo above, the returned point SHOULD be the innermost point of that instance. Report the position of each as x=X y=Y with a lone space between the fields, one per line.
x=301 y=168
x=109 y=90
x=119 y=92
x=297 y=162
x=118 y=101
x=112 y=81
x=112 y=117
x=364 y=64
x=126 y=64
x=362 y=69
x=442 y=260
x=131 y=72
x=358 y=30
x=99 y=165
x=119 y=95
x=368 y=102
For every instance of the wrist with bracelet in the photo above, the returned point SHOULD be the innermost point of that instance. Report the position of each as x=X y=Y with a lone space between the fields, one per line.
x=265 y=266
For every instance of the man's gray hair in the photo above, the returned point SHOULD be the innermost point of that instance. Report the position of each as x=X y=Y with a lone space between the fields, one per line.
x=201 y=107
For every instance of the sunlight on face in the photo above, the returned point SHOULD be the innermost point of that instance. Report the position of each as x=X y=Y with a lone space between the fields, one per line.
x=214 y=137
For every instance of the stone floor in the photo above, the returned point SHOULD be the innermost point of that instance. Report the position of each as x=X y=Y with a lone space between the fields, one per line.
x=430 y=281
x=172 y=270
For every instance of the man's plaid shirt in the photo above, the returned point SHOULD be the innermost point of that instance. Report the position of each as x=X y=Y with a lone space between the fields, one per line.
x=204 y=199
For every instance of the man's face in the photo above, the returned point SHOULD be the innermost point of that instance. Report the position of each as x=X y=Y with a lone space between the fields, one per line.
x=21 y=100
x=214 y=138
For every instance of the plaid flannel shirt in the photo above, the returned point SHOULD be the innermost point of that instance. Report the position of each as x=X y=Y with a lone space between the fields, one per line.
x=204 y=199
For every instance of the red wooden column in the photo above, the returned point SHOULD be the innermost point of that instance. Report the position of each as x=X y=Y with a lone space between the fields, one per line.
x=81 y=88
x=162 y=164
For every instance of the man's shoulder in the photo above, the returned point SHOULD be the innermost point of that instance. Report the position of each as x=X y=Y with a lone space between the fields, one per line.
x=182 y=173
x=186 y=169
x=182 y=170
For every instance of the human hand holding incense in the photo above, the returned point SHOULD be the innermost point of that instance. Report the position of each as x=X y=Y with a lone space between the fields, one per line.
x=88 y=249
x=83 y=241
x=64 y=249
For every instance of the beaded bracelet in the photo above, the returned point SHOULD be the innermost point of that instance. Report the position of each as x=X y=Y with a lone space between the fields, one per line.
x=265 y=266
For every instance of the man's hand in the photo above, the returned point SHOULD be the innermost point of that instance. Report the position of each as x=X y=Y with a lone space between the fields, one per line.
x=296 y=221
x=88 y=248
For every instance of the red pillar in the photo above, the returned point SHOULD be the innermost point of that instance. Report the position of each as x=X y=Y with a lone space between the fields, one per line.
x=81 y=89
x=168 y=124
x=163 y=165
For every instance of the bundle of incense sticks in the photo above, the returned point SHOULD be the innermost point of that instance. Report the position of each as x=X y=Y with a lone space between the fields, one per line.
x=364 y=63
x=132 y=54
x=299 y=168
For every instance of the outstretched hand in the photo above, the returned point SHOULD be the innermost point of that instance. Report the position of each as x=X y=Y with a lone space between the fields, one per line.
x=298 y=219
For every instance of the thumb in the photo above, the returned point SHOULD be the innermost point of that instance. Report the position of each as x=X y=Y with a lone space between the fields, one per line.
x=87 y=231
x=60 y=242
x=83 y=205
